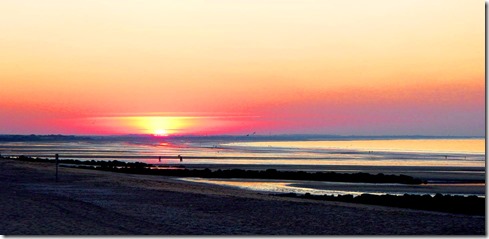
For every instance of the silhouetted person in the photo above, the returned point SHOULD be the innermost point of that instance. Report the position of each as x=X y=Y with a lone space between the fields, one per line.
x=181 y=158
x=56 y=156
x=159 y=159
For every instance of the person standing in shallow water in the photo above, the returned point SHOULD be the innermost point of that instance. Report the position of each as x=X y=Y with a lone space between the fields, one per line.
x=180 y=157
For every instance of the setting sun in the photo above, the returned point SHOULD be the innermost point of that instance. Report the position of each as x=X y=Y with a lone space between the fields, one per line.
x=160 y=132
x=158 y=125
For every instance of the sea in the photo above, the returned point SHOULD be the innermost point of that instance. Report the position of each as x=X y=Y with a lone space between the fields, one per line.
x=450 y=165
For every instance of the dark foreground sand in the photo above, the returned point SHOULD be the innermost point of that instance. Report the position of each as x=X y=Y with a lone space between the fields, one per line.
x=87 y=202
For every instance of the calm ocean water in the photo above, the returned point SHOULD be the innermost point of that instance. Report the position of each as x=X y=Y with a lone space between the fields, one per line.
x=412 y=152
x=436 y=160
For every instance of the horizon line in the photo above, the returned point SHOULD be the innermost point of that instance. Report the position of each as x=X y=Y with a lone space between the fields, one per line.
x=248 y=135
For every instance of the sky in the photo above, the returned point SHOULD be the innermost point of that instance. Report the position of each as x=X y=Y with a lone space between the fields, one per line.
x=377 y=67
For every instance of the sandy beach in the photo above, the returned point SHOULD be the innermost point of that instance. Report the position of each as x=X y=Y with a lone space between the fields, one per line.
x=89 y=202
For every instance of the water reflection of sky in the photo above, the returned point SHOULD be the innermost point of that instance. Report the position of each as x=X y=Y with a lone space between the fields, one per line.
x=340 y=188
x=468 y=146
x=268 y=186
x=237 y=153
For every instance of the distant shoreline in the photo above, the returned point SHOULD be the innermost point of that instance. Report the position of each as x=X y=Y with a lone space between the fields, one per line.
x=283 y=137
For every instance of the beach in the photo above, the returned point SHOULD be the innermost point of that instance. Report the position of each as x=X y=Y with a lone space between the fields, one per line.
x=262 y=118
x=90 y=202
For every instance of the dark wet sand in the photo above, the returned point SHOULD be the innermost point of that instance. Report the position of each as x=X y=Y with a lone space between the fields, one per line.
x=429 y=173
x=88 y=202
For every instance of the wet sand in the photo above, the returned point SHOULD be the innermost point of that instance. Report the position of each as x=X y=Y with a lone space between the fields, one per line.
x=88 y=202
x=429 y=173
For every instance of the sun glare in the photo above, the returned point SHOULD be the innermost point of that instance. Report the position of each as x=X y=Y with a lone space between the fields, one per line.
x=159 y=125
x=160 y=132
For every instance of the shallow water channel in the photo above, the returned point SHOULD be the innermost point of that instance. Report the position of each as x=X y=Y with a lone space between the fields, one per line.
x=342 y=188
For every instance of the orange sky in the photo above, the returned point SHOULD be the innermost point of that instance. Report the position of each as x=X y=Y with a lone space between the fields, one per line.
x=219 y=66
